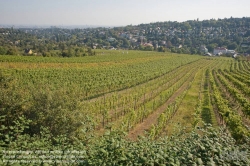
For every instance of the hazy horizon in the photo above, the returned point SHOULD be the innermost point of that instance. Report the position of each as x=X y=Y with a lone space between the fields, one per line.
x=94 y=13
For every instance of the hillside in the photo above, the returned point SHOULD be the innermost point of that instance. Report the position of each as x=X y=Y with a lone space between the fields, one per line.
x=178 y=37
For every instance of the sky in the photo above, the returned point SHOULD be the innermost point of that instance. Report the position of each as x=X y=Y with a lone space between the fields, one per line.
x=116 y=12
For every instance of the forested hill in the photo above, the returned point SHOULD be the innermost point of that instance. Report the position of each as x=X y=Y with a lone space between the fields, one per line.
x=180 y=37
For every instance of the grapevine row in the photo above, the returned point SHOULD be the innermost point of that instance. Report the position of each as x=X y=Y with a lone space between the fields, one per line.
x=135 y=116
x=241 y=86
x=233 y=121
x=136 y=97
x=236 y=94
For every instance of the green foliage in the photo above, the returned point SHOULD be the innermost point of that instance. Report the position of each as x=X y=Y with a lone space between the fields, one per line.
x=146 y=48
x=161 y=49
x=212 y=147
x=12 y=100
x=12 y=51
x=58 y=111
x=232 y=119
x=211 y=47
x=3 y=51
x=232 y=46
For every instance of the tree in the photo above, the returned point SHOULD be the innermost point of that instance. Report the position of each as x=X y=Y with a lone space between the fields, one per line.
x=238 y=39
x=90 y=52
x=232 y=46
x=211 y=47
x=3 y=51
x=126 y=43
x=193 y=50
x=186 y=26
x=149 y=48
x=62 y=46
x=247 y=34
x=219 y=41
x=188 y=42
x=248 y=51
x=46 y=54
x=141 y=47
x=169 y=44
x=179 y=50
x=174 y=40
x=71 y=52
x=64 y=54
x=227 y=42
x=173 y=49
x=161 y=49
x=12 y=51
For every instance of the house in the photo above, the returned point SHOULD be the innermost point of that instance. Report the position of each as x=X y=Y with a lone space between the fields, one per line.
x=28 y=51
x=220 y=50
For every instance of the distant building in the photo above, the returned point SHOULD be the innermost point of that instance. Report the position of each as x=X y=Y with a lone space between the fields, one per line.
x=220 y=50
x=28 y=51
x=232 y=52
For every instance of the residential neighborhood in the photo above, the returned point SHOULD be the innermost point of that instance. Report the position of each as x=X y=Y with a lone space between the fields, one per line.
x=222 y=36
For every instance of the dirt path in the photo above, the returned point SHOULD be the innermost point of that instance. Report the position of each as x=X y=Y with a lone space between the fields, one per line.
x=152 y=119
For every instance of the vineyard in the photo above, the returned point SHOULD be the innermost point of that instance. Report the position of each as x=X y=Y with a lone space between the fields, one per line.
x=146 y=95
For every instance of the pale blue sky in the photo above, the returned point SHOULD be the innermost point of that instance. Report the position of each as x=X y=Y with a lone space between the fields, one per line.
x=116 y=12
